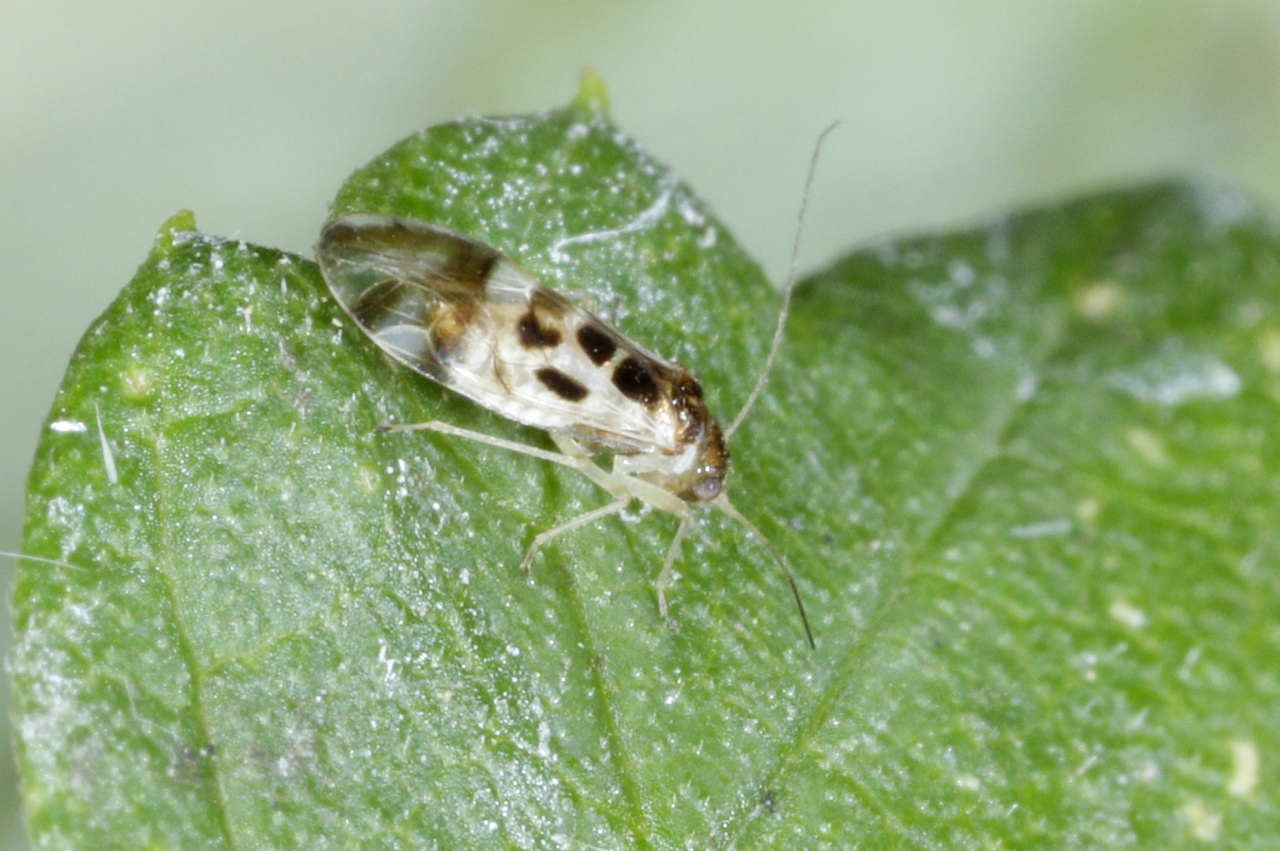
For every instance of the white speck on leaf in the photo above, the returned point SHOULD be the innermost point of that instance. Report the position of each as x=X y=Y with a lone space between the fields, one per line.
x=108 y=457
x=647 y=218
x=1127 y=614
x=961 y=273
x=1177 y=377
x=68 y=427
x=1189 y=662
x=1043 y=529
x=1027 y=385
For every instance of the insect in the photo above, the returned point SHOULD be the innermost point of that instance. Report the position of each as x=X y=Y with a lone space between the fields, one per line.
x=458 y=312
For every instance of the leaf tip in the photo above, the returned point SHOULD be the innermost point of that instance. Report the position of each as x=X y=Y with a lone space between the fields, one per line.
x=592 y=96
x=183 y=221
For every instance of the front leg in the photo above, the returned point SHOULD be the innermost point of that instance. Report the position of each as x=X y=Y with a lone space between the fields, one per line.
x=667 y=502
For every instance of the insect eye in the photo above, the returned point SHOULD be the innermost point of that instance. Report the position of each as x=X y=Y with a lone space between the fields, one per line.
x=708 y=489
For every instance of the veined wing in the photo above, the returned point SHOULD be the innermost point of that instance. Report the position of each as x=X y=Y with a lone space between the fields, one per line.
x=458 y=312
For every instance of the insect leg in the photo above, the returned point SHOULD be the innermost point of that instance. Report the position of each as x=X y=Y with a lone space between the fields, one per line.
x=662 y=500
x=578 y=458
x=664 y=575
x=581 y=520
x=576 y=461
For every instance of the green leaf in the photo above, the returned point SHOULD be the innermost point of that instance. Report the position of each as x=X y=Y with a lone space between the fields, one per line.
x=1026 y=475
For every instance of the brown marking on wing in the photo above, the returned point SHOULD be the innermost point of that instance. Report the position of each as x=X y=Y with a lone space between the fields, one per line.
x=562 y=385
x=548 y=304
x=449 y=325
x=405 y=249
x=469 y=264
x=537 y=327
x=598 y=345
x=534 y=335
x=388 y=302
x=635 y=381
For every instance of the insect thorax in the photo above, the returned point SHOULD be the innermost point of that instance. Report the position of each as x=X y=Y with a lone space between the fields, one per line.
x=696 y=472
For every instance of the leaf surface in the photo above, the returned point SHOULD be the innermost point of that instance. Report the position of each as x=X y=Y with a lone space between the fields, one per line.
x=1026 y=476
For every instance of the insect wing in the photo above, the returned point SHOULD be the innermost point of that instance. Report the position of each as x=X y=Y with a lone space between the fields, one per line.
x=413 y=288
x=457 y=311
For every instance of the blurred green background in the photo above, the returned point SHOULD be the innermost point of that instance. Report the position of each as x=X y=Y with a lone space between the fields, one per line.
x=115 y=114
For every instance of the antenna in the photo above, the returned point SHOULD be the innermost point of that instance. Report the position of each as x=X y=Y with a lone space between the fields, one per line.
x=722 y=502
x=786 y=292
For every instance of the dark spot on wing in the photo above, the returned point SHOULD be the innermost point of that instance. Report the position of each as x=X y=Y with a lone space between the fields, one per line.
x=470 y=264
x=449 y=326
x=561 y=385
x=534 y=335
x=388 y=302
x=598 y=345
x=634 y=380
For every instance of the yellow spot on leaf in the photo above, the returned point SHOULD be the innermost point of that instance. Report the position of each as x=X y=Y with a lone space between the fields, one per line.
x=1101 y=301
x=1204 y=824
x=367 y=480
x=1148 y=445
x=136 y=383
x=1244 y=768
x=1269 y=349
